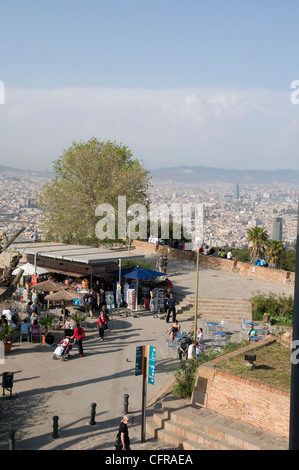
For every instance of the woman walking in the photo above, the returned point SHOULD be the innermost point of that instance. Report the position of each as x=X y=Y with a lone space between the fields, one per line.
x=79 y=335
x=102 y=324
x=123 y=435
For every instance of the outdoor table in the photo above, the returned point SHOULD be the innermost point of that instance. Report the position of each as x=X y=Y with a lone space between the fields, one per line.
x=248 y=322
x=256 y=338
x=219 y=333
x=180 y=335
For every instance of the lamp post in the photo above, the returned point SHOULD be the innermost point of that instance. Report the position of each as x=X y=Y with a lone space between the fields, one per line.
x=294 y=402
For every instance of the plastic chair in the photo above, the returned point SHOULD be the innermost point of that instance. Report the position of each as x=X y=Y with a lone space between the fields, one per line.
x=36 y=333
x=172 y=345
x=24 y=334
x=223 y=325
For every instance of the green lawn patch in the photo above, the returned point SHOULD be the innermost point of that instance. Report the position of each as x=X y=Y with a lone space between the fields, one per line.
x=273 y=366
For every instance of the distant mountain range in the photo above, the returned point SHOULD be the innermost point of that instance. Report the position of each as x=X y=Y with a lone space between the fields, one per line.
x=196 y=174
x=18 y=171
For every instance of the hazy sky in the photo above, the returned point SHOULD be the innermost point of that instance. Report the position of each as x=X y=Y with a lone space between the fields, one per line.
x=193 y=82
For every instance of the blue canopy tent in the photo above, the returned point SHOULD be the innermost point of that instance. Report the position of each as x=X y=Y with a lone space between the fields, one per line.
x=138 y=273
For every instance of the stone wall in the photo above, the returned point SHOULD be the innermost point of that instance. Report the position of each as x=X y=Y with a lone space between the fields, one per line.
x=242 y=399
x=277 y=276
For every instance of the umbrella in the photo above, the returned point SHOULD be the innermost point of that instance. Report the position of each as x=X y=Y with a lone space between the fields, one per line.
x=141 y=273
x=29 y=270
x=48 y=286
x=65 y=296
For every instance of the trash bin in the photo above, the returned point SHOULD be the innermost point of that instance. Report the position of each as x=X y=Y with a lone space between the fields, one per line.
x=7 y=381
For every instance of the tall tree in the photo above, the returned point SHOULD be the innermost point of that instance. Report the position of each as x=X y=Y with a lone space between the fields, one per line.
x=275 y=252
x=87 y=175
x=257 y=242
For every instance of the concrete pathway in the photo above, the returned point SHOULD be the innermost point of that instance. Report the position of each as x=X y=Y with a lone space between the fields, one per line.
x=44 y=387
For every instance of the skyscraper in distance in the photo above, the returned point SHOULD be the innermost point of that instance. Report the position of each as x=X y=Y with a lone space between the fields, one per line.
x=276 y=229
x=237 y=191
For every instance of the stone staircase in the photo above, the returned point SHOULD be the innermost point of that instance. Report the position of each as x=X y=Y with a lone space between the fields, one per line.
x=195 y=428
x=214 y=309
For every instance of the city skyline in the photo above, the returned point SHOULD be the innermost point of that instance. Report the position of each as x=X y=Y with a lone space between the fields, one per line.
x=193 y=83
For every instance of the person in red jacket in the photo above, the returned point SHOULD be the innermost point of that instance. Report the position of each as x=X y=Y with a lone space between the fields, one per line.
x=102 y=324
x=79 y=335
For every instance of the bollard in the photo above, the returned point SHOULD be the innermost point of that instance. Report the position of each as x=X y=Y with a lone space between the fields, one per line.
x=126 y=404
x=11 y=440
x=55 y=427
x=92 y=414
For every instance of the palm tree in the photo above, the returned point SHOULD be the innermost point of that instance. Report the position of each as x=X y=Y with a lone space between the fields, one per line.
x=275 y=251
x=258 y=240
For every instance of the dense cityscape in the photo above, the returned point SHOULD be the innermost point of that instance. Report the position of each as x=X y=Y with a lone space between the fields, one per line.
x=229 y=209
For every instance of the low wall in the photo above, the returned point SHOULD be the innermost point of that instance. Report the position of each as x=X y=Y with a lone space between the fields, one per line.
x=242 y=399
x=277 y=276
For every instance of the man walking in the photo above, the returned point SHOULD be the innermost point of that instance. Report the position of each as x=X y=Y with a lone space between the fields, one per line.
x=171 y=308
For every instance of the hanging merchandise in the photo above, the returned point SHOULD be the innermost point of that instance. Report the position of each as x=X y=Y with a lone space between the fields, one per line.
x=131 y=298
x=110 y=303
x=126 y=288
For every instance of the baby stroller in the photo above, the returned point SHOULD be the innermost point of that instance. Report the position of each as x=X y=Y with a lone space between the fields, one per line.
x=63 y=349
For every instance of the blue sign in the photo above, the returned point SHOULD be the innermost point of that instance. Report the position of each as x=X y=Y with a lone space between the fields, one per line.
x=151 y=361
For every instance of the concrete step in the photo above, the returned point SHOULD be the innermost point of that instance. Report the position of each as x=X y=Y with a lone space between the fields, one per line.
x=222 y=432
x=197 y=436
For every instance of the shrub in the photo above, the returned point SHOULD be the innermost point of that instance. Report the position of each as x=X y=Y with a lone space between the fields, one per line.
x=185 y=378
x=278 y=306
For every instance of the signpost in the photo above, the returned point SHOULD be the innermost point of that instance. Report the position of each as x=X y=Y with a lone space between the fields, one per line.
x=145 y=366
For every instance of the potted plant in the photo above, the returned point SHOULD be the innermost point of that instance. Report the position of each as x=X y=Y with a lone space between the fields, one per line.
x=6 y=335
x=46 y=323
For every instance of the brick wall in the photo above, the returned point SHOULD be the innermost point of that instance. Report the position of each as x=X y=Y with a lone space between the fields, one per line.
x=276 y=276
x=242 y=399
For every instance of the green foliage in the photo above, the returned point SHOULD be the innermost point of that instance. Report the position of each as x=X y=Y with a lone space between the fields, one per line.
x=46 y=322
x=288 y=260
x=185 y=375
x=78 y=317
x=7 y=333
x=130 y=263
x=185 y=378
x=87 y=175
x=241 y=254
x=278 y=306
x=258 y=240
x=275 y=251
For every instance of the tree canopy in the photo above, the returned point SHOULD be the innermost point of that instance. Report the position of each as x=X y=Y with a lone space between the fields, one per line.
x=87 y=175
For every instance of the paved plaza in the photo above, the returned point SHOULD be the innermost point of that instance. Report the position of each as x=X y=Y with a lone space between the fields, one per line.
x=44 y=387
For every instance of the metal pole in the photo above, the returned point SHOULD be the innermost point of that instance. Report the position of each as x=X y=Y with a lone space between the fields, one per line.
x=196 y=295
x=294 y=402
x=143 y=399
